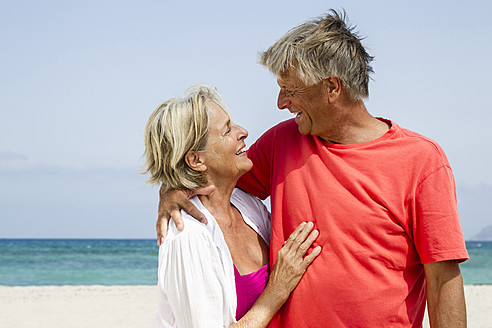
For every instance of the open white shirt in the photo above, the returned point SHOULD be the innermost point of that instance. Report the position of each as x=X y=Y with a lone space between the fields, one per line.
x=196 y=274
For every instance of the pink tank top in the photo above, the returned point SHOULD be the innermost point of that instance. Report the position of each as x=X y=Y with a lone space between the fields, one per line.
x=248 y=289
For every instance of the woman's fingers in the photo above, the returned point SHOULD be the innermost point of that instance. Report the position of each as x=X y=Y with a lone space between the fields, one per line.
x=294 y=234
x=300 y=239
x=306 y=244
x=293 y=258
x=311 y=256
x=298 y=244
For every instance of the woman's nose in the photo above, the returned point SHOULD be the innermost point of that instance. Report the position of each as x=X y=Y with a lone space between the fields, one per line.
x=242 y=132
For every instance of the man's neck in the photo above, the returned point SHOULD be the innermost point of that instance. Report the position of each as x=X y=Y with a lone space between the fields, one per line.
x=353 y=125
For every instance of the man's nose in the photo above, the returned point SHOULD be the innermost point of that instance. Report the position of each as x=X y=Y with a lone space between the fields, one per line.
x=283 y=101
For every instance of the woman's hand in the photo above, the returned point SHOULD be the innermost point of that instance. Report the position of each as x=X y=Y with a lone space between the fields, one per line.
x=292 y=262
x=286 y=274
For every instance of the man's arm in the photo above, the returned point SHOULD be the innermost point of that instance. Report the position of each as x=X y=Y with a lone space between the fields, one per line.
x=255 y=182
x=170 y=204
x=445 y=294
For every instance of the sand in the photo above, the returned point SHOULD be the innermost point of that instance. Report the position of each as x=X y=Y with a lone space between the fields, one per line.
x=134 y=306
x=77 y=306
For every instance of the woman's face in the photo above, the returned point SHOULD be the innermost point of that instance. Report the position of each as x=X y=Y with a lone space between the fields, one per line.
x=225 y=151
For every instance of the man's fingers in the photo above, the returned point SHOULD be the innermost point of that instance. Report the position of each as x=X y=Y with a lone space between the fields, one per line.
x=161 y=226
x=201 y=191
x=178 y=220
x=161 y=229
x=194 y=212
x=160 y=233
x=170 y=202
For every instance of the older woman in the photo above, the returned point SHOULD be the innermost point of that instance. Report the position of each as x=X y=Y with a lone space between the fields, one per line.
x=211 y=275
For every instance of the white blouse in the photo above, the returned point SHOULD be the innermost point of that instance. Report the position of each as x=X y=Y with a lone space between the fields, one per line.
x=196 y=274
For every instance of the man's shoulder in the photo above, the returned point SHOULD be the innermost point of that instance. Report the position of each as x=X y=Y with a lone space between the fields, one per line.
x=282 y=129
x=418 y=148
x=419 y=141
x=282 y=136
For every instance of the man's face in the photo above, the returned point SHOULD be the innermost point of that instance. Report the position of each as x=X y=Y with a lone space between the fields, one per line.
x=307 y=103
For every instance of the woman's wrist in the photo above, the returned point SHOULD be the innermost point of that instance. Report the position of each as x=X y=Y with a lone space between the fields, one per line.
x=275 y=296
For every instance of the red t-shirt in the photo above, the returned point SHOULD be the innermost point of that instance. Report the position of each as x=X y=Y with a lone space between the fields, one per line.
x=383 y=208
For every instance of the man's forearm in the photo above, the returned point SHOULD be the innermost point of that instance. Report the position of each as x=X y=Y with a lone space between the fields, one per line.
x=445 y=295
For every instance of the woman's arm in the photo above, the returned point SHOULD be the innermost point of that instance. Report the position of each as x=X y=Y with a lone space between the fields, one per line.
x=192 y=278
x=286 y=274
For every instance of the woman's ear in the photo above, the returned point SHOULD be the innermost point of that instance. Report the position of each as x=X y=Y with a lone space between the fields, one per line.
x=195 y=161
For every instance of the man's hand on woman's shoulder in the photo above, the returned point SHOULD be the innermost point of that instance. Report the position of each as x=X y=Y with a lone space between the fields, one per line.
x=170 y=204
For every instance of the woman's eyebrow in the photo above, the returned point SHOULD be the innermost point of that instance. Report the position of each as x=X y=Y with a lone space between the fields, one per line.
x=227 y=124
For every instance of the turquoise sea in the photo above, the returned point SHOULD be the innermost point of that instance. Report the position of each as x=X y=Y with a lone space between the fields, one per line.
x=26 y=262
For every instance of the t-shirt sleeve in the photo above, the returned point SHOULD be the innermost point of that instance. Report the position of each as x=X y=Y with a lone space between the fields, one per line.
x=193 y=279
x=436 y=226
x=258 y=180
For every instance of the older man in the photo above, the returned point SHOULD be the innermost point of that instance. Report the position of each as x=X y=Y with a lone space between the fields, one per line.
x=382 y=197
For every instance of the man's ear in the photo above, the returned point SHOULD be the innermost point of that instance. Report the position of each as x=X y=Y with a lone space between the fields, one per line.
x=333 y=86
x=195 y=161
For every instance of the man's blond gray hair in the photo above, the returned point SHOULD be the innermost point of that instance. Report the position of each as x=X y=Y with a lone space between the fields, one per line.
x=318 y=49
x=177 y=126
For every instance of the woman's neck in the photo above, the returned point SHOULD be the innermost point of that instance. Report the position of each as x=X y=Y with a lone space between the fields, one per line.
x=218 y=202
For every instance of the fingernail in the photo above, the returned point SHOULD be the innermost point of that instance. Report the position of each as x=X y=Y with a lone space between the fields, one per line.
x=310 y=224
x=317 y=248
x=316 y=232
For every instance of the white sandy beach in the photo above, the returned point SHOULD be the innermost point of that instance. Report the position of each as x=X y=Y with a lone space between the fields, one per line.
x=134 y=306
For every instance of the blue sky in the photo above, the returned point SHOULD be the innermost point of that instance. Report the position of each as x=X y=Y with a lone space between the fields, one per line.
x=78 y=81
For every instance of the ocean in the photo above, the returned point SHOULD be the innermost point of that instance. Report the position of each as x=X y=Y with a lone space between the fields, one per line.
x=40 y=262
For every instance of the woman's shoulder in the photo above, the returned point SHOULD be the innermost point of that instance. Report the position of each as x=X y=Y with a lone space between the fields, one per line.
x=247 y=202
x=252 y=209
x=195 y=242
x=192 y=228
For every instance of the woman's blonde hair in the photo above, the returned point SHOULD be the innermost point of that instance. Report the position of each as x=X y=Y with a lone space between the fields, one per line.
x=177 y=126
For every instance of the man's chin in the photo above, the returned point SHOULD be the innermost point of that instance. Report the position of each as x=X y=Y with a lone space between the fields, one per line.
x=302 y=130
